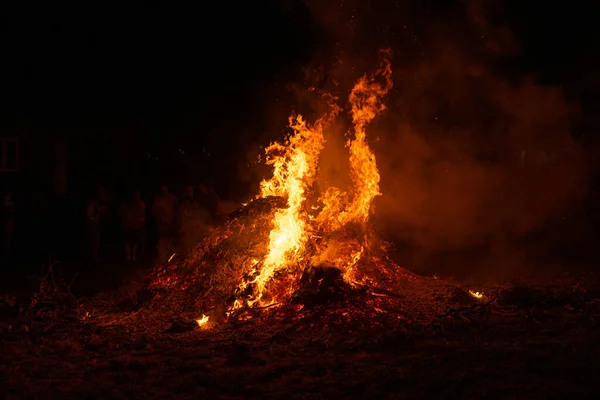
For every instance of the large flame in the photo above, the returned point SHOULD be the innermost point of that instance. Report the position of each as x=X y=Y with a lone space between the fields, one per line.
x=295 y=164
x=294 y=172
x=366 y=100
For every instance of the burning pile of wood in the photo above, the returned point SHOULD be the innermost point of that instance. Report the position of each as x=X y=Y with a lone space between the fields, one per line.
x=211 y=272
x=277 y=250
x=296 y=244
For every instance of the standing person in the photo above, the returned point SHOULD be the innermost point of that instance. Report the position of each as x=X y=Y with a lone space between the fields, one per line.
x=103 y=202
x=188 y=203
x=164 y=210
x=194 y=221
x=134 y=222
x=208 y=199
x=39 y=223
x=188 y=194
x=594 y=213
x=8 y=223
x=92 y=225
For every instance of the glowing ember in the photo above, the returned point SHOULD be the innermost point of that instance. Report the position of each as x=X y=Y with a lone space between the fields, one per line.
x=477 y=295
x=202 y=320
x=172 y=255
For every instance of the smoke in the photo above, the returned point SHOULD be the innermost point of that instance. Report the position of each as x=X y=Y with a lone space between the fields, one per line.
x=465 y=155
x=469 y=154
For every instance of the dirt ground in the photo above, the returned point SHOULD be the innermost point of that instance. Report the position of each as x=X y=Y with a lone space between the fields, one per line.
x=523 y=341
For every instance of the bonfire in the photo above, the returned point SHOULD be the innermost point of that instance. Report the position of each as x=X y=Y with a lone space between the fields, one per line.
x=295 y=246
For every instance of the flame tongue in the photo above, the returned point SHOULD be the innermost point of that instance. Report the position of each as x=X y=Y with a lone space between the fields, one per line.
x=366 y=99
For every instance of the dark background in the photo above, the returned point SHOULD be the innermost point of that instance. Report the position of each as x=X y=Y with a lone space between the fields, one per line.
x=147 y=81
x=135 y=95
x=128 y=87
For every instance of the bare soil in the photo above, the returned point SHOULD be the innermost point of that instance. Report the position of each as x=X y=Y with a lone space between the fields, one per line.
x=527 y=340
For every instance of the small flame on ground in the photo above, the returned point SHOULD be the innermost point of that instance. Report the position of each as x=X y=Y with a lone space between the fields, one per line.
x=477 y=295
x=202 y=320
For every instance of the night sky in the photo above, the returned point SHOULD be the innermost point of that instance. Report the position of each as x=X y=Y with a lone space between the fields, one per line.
x=172 y=77
x=111 y=64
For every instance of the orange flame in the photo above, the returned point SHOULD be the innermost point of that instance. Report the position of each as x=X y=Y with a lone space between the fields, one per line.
x=294 y=172
x=366 y=99
x=295 y=165
x=477 y=295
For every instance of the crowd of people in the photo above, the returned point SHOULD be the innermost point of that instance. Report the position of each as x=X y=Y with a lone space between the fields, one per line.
x=116 y=227
x=173 y=221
